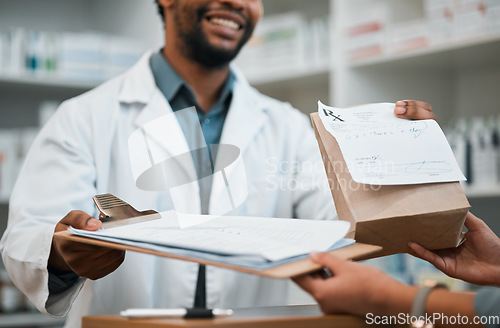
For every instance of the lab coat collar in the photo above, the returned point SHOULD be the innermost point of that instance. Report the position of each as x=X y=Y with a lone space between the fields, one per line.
x=139 y=88
x=246 y=117
x=139 y=84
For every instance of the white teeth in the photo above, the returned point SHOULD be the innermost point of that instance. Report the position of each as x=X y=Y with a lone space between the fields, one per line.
x=226 y=23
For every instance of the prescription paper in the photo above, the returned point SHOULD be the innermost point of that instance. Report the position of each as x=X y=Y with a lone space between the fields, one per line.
x=390 y=216
x=381 y=149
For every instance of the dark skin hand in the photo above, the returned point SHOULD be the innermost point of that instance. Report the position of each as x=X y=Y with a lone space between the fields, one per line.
x=414 y=110
x=88 y=261
x=360 y=289
x=476 y=260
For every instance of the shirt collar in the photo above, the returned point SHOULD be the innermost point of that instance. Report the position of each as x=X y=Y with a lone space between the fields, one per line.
x=170 y=82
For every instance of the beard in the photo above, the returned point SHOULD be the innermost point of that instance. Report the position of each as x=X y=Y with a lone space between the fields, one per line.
x=196 y=46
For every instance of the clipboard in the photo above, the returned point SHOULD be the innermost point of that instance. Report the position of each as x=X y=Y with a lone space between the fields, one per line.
x=357 y=251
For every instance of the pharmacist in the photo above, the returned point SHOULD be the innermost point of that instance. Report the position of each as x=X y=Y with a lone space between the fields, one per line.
x=82 y=151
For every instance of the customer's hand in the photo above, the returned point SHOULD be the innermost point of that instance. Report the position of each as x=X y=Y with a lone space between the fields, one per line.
x=477 y=260
x=355 y=288
x=414 y=110
x=85 y=260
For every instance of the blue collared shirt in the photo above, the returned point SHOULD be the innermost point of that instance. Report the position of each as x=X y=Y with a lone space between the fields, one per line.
x=180 y=96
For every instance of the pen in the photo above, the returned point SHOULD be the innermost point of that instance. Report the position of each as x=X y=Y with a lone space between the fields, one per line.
x=176 y=313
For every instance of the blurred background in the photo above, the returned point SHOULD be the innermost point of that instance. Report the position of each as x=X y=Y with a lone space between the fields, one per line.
x=342 y=52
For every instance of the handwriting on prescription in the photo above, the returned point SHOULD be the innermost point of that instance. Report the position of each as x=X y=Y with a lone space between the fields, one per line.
x=411 y=129
x=384 y=169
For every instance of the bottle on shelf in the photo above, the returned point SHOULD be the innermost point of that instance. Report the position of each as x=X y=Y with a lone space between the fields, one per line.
x=476 y=144
x=72 y=56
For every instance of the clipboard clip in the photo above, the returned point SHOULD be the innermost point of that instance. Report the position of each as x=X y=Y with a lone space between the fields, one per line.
x=114 y=212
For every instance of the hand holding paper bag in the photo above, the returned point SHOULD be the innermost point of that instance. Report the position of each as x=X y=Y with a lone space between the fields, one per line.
x=364 y=290
x=476 y=260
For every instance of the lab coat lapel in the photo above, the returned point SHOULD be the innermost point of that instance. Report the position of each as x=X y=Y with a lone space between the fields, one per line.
x=139 y=88
x=246 y=117
x=176 y=142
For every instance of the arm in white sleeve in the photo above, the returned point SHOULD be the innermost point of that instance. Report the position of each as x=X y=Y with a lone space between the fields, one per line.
x=58 y=176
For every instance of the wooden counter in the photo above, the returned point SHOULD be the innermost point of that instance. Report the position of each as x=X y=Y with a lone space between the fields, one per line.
x=266 y=317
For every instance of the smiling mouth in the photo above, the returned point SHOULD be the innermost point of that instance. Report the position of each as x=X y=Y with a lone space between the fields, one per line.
x=225 y=22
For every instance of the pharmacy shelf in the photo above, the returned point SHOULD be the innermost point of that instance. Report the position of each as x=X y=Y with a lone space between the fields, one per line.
x=29 y=319
x=301 y=87
x=287 y=75
x=482 y=192
x=53 y=81
x=470 y=53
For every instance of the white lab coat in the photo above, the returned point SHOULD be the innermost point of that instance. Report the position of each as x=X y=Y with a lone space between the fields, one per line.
x=82 y=151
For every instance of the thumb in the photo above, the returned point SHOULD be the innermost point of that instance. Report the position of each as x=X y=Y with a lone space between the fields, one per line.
x=427 y=255
x=81 y=220
x=473 y=223
x=332 y=262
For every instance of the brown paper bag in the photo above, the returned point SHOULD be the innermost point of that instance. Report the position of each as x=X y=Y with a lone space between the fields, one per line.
x=391 y=216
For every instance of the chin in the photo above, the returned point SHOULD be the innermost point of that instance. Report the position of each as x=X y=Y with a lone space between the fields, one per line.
x=224 y=46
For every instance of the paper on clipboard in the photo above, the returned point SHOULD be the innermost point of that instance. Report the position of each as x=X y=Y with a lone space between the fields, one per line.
x=291 y=267
x=271 y=239
x=283 y=255
x=381 y=149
